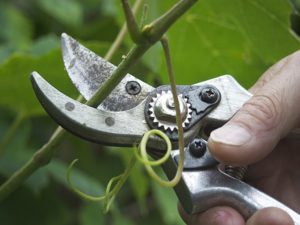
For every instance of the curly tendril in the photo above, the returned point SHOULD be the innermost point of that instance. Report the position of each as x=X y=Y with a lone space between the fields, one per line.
x=111 y=189
x=143 y=158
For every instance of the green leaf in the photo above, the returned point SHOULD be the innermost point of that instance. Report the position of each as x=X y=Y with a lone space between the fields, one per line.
x=45 y=44
x=47 y=208
x=68 y=12
x=5 y=51
x=90 y=214
x=242 y=38
x=16 y=28
x=139 y=181
x=15 y=87
x=167 y=203
x=122 y=219
x=109 y=7
x=16 y=154
x=16 y=92
x=81 y=180
x=296 y=5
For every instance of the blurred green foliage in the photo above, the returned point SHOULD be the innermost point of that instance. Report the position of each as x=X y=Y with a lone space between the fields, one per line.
x=238 y=37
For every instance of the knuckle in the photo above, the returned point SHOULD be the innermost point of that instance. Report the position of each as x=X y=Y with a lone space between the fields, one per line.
x=263 y=109
x=262 y=81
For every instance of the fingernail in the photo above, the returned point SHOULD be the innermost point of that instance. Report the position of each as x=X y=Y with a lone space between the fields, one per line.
x=231 y=135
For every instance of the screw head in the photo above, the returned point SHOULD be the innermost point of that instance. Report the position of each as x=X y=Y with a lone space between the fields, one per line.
x=133 y=87
x=209 y=95
x=197 y=148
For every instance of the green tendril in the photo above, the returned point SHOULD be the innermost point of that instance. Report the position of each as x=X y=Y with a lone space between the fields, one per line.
x=76 y=190
x=112 y=189
x=143 y=156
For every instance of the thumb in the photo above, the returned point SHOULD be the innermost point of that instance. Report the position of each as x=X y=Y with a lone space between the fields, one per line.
x=267 y=117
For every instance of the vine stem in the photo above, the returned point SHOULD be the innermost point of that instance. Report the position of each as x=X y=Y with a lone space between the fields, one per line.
x=166 y=48
x=119 y=39
x=151 y=34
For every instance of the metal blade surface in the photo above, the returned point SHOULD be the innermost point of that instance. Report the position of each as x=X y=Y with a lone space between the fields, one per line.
x=113 y=128
x=88 y=72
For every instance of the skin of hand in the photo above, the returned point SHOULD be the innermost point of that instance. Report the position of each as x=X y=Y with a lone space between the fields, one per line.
x=257 y=135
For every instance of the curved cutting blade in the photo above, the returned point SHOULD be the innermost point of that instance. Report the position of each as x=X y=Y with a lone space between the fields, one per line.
x=114 y=128
x=89 y=71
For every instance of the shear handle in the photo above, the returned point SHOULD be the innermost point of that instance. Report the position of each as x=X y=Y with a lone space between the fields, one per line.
x=205 y=188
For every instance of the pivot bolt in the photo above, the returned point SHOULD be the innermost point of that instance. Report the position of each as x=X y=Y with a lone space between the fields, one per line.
x=164 y=108
x=133 y=87
x=197 y=148
x=209 y=95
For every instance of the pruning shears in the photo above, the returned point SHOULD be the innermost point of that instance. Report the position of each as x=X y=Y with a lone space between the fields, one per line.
x=135 y=107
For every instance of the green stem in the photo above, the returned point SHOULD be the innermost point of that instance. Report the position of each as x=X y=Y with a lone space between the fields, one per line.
x=117 y=42
x=177 y=176
x=44 y=155
x=155 y=30
x=10 y=133
x=120 y=182
x=144 y=155
x=144 y=15
x=132 y=26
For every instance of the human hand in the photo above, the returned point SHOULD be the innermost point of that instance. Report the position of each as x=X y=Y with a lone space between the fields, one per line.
x=257 y=136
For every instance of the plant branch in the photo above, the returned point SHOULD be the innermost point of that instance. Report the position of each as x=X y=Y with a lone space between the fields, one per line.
x=144 y=15
x=155 y=30
x=132 y=26
x=152 y=33
x=165 y=45
x=117 y=42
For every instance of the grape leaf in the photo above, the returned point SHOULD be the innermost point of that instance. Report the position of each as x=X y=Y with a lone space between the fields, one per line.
x=73 y=16
x=242 y=38
x=16 y=92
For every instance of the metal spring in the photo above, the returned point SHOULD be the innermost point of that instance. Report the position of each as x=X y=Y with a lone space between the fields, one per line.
x=237 y=172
